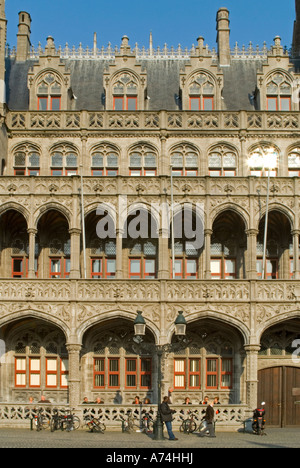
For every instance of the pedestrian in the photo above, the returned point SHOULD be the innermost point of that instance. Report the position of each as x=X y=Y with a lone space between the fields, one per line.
x=205 y=401
x=209 y=419
x=136 y=401
x=166 y=416
x=187 y=401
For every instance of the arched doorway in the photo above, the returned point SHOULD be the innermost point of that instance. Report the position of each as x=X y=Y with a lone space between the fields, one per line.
x=279 y=374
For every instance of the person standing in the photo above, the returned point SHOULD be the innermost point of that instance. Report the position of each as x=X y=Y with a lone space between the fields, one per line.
x=209 y=418
x=166 y=416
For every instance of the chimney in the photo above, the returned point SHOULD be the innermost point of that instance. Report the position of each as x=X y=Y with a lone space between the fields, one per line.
x=223 y=36
x=23 y=43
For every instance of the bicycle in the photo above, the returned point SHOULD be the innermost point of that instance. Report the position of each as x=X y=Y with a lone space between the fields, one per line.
x=56 y=421
x=147 y=423
x=128 y=424
x=189 y=425
x=70 y=422
x=95 y=425
x=40 y=420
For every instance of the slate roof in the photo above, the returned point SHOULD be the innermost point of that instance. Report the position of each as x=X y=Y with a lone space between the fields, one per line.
x=162 y=77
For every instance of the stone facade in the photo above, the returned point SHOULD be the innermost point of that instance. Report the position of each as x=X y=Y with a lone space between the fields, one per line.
x=68 y=299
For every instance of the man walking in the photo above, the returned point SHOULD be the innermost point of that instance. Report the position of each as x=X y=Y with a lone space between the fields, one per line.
x=166 y=416
x=209 y=418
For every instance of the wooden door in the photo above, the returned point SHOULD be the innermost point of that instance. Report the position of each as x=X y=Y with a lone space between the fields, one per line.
x=279 y=387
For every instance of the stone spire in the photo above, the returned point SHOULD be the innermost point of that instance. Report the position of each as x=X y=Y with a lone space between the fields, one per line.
x=23 y=42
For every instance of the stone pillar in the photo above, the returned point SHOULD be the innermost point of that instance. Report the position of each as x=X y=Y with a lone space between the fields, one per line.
x=74 y=374
x=31 y=262
x=207 y=235
x=75 y=253
x=251 y=253
x=296 y=271
x=119 y=253
x=251 y=374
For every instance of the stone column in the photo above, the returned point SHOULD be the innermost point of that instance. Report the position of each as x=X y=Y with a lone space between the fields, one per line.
x=207 y=235
x=74 y=374
x=251 y=374
x=75 y=253
x=119 y=254
x=251 y=253
x=296 y=271
x=31 y=267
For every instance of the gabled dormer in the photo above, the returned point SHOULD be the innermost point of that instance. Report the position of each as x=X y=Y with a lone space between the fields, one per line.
x=125 y=82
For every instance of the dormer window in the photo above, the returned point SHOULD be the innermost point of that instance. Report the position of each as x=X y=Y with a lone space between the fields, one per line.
x=49 y=93
x=201 y=93
x=125 y=93
x=279 y=92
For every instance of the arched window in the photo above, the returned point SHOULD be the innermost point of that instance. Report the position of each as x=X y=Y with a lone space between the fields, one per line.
x=222 y=161
x=279 y=92
x=125 y=92
x=260 y=157
x=201 y=92
x=294 y=162
x=26 y=161
x=142 y=161
x=184 y=161
x=49 y=92
x=105 y=161
x=64 y=161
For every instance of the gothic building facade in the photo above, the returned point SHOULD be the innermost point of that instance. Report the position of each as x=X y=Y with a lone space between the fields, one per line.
x=96 y=142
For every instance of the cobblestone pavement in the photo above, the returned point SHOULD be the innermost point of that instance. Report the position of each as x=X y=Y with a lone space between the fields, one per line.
x=117 y=442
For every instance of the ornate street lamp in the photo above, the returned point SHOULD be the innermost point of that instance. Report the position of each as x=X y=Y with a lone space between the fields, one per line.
x=139 y=331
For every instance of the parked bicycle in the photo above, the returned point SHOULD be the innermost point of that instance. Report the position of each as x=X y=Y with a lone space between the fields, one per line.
x=189 y=425
x=40 y=420
x=70 y=422
x=56 y=421
x=147 y=422
x=95 y=425
x=128 y=424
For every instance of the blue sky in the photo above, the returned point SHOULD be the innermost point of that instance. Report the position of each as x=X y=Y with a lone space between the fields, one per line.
x=171 y=22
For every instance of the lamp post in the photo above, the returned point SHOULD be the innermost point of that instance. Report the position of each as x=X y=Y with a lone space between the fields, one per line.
x=267 y=160
x=140 y=331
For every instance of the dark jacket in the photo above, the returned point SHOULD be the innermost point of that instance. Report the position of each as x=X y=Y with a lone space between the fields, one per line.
x=209 y=415
x=166 y=412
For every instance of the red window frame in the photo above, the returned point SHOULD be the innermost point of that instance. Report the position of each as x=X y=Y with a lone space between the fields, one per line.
x=34 y=372
x=180 y=373
x=118 y=99
x=196 y=373
x=20 y=372
x=99 y=372
x=19 y=274
x=55 y=99
x=195 y=100
x=144 y=373
x=19 y=172
x=131 y=373
x=111 y=373
x=272 y=99
x=212 y=373
x=51 y=372
x=230 y=373
x=63 y=372
x=268 y=275
x=131 y=99
x=58 y=274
